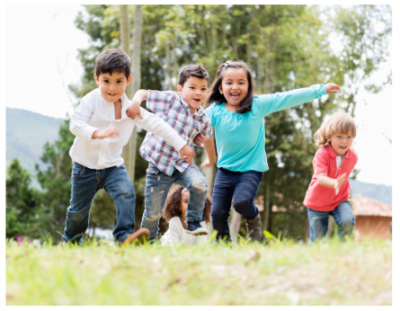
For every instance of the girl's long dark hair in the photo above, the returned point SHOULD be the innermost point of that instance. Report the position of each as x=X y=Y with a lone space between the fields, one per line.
x=218 y=98
x=173 y=205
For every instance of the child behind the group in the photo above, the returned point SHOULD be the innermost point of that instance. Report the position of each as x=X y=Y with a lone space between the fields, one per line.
x=329 y=190
x=238 y=117
x=183 y=111
x=102 y=128
x=174 y=213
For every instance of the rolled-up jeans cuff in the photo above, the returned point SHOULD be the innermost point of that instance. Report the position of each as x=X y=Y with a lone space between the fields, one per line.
x=66 y=238
x=123 y=238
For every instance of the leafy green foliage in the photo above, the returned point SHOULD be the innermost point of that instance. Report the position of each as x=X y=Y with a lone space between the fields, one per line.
x=55 y=180
x=23 y=209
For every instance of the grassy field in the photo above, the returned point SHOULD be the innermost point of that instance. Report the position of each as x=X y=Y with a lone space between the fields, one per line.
x=281 y=273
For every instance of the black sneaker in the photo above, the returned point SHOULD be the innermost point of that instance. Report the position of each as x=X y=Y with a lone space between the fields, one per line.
x=254 y=228
x=194 y=228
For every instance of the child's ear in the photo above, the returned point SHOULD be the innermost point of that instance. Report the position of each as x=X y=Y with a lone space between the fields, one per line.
x=179 y=87
x=220 y=89
x=97 y=79
x=129 y=80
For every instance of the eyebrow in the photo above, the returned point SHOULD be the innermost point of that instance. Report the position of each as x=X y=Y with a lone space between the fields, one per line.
x=195 y=85
x=239 y=79
x=105 y=78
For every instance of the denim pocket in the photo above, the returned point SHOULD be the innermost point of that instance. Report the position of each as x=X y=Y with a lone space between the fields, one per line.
x=153 y=170
x=77 y=170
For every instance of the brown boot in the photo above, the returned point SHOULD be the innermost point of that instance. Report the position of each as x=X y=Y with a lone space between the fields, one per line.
x=139 y=237
x=254 y=228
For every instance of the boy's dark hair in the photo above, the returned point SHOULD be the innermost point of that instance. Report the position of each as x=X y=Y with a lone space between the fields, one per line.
x=192 y=71
x=218 y=98
x=172 y=206
x=113 y=60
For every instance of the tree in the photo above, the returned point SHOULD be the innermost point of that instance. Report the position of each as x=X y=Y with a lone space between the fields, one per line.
x=23 y=212
x=55 y=180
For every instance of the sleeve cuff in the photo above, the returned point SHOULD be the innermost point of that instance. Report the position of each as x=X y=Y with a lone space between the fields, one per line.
x=319 y=90
x=89 y=130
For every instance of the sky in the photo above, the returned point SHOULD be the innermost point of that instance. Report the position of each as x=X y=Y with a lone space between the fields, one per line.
x=48 y=62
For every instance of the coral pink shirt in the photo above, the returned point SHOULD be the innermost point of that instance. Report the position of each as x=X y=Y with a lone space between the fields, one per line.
x=322 y=198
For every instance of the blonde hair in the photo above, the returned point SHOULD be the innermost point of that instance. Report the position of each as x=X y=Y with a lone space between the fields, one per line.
x=338 y=123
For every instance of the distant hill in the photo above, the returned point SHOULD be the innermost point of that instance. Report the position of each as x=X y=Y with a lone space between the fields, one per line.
x=380 y=193
x=26 y=134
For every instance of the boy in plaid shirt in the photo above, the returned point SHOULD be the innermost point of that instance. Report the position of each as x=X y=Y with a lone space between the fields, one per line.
x=182 y=111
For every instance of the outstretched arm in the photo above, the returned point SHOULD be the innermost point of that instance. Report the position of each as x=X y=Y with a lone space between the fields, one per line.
x=328 y=182
x=154 y=124
x=270 y=103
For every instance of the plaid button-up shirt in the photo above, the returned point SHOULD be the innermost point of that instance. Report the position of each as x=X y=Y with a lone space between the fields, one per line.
x=176 y=112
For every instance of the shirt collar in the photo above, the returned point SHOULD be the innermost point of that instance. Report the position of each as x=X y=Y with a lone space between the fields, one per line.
x=125 y=102
x=333 y=154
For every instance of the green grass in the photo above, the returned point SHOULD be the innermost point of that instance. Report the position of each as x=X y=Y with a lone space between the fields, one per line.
x=281 y=273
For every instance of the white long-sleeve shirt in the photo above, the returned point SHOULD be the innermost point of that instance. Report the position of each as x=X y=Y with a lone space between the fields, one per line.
x=177 y=234
x=95 y=113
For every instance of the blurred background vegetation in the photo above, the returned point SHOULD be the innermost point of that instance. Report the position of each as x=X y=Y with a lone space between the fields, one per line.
x=285 y=46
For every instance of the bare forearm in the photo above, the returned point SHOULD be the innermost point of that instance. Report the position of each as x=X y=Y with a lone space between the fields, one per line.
x=325 y=181
x=210 y=150
x=140 y=96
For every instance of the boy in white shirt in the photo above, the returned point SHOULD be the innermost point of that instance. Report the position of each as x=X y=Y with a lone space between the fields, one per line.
x=102 y=129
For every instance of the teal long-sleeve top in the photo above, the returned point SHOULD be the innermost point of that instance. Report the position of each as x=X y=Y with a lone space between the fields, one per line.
x=240 y=137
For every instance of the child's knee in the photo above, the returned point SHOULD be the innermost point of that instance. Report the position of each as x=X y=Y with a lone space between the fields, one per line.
x=347 y=222
x=242 y=204
x=199 y=185
x=154 y=217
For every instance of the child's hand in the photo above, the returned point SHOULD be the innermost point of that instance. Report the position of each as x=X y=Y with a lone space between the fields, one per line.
x=134 y=110
x=199 y=140
x=332 y=88
x=108 y=132
x=339 y=182
x=187 y=152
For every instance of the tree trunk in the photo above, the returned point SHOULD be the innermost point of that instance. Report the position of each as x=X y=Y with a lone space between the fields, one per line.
x=168 y=65
x=129 y=151
x=125 y=41
x=135 y=83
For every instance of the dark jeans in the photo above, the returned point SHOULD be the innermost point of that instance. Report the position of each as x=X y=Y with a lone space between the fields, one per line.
x=85 y=183
x=243 y=188
x=319 y=221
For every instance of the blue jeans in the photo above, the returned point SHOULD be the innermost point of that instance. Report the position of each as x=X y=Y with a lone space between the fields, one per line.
x=156 y=192
x=319 y=221
x=243 y=188
x=85 y=183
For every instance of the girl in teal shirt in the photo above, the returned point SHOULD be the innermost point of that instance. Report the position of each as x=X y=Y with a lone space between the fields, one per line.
x=238 y=117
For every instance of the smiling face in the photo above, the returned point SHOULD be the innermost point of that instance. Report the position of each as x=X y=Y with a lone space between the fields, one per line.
x=194 y=92
x=341 y=143
x=234 y=87
x=112 y=86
